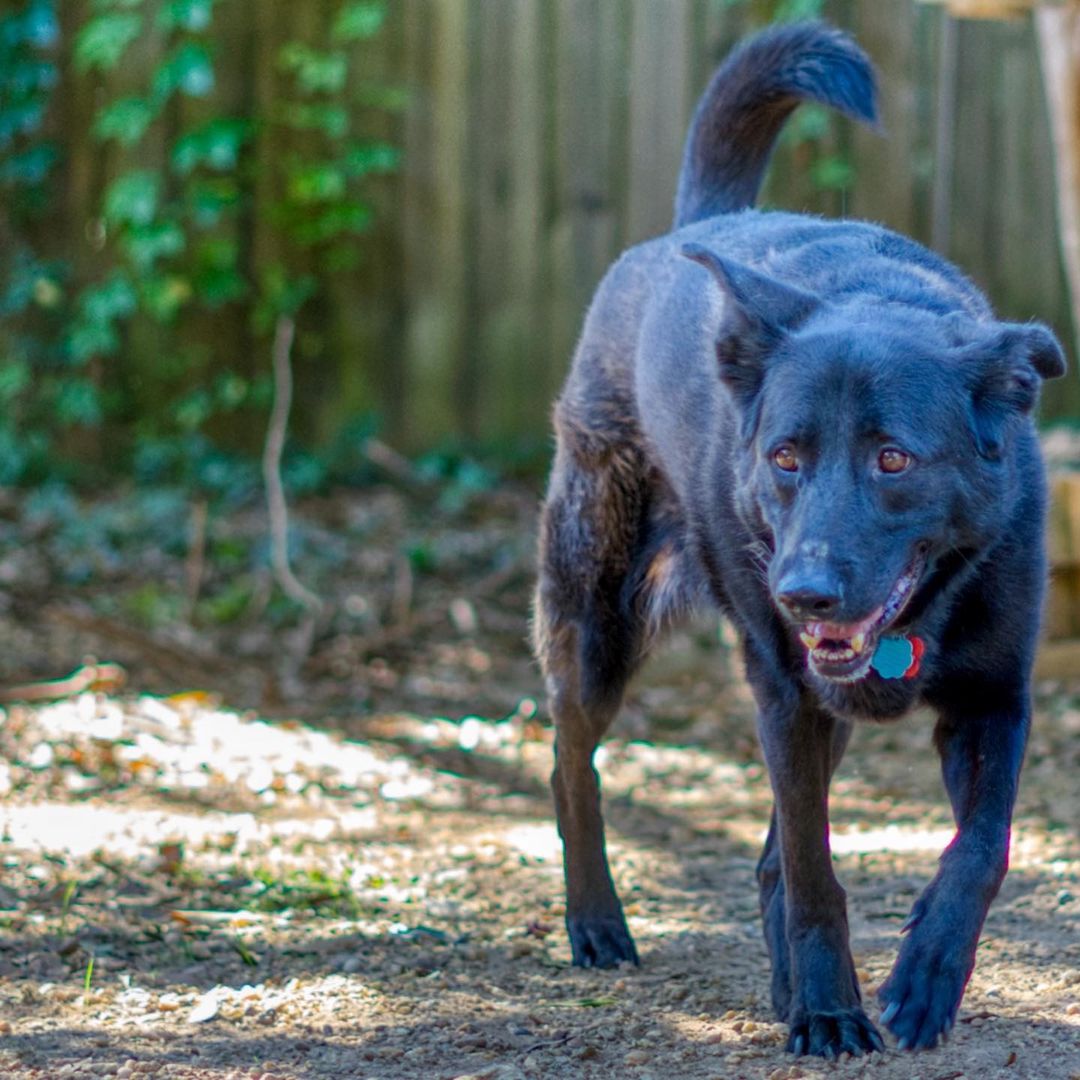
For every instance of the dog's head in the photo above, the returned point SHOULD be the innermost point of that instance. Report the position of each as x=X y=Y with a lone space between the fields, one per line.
x=878 y=442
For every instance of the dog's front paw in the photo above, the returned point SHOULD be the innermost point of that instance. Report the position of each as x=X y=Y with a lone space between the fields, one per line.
x=920 y=998
x=600 y=941
x=830 y=1034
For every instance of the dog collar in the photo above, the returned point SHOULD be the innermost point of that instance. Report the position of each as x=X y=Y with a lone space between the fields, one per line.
x=898 y=657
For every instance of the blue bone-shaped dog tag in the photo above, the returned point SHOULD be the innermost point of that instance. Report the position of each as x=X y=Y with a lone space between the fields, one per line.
x=893 y=657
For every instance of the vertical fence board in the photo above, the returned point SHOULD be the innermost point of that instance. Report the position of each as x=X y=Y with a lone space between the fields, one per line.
x=886 y=160
x=511 y=333
x=583 y=220
x=437 y=256
x=660 y=102
x=971 y=198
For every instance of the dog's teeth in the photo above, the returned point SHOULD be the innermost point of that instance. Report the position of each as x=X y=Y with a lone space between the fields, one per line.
x=809 y=640
x=857 y=642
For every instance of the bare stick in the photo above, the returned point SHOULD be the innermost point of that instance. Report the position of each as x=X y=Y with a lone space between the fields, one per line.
x=103 y=678
x=277 y=508
x=195 y=564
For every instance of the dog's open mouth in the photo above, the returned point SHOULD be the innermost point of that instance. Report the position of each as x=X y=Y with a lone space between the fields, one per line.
x=842 y=652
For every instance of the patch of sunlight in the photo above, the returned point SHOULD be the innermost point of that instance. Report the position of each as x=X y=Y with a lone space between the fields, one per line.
x=889 y=838
x=535 y=841
x=79 y=831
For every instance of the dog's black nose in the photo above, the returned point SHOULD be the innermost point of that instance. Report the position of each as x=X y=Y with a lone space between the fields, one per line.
x=814 y=596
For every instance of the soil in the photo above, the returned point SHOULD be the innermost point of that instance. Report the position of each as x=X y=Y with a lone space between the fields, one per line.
x=322 y=848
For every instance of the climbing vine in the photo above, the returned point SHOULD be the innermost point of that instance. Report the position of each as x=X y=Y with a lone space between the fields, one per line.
x=123 y=329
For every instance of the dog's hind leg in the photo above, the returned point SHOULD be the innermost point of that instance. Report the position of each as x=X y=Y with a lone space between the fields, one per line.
x=588 y=643
x=771 y=890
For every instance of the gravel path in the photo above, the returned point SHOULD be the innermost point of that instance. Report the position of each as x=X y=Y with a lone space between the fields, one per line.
x=192 y=893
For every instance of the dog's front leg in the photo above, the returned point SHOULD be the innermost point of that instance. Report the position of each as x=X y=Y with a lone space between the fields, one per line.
x=771 y=886
x=981 y=753
x=824 y=1015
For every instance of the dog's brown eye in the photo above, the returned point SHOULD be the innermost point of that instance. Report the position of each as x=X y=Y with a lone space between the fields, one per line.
x=892 y=460
x=785 y=459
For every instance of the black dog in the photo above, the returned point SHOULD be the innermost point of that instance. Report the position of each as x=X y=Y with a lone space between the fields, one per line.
x=821 y=428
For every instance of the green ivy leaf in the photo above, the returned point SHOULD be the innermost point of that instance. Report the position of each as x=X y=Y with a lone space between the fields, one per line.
x=190 y=15
x=808 y=124
x=87 y=340
x=331 y=120
x=94 y=331
x=317 y=182
x=112 y=299
x=39 y=26
x=132 y=198
x=188 y=69
x=218 y=253
x=193 y=411
x=371 y=157
x=316 y=72
x=281 y=294
x=78 y=402
x=218 y=286
x=15 y=377
x=20 y=118
x=103 y=40
x=165 y=294
x=832 y=173
x=345 y=217
x=359 y=19
x=146 y=244
x=797 y=10
x=125 y=120
x=217 y=279
x=216 y=144
x=47 y=293
x=31 y=166
x=210 y=199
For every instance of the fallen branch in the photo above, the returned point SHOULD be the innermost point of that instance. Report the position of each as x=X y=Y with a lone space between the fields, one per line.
x=105 y=678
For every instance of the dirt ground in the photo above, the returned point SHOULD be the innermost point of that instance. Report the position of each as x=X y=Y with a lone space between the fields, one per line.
x=328 y=851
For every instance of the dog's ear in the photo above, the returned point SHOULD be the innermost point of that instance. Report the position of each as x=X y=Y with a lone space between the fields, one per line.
x=1010 y=368
x=758 y=311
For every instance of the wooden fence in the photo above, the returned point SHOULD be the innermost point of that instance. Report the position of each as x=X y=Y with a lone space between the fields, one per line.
x=542 y=137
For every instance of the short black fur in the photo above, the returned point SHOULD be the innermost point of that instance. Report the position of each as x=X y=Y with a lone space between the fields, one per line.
x=820 y=428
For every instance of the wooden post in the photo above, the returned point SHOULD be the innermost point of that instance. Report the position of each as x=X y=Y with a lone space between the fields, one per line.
x=1059 y=47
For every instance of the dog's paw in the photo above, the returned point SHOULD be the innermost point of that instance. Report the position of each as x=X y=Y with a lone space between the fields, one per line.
x=600 y=941
x=920 y=998
x=830 y=1034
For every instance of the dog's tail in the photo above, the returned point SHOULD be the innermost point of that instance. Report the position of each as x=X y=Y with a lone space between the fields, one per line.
x=751 y=95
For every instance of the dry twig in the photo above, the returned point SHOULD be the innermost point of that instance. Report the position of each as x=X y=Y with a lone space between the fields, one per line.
x=277 y=508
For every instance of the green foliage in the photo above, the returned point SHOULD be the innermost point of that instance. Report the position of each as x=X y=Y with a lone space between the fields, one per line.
x=191 y=15
x=128 y=332
x=101 y=43
x=781 y=10
x=314 y=890
x=792 y=10
x=359 y=19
